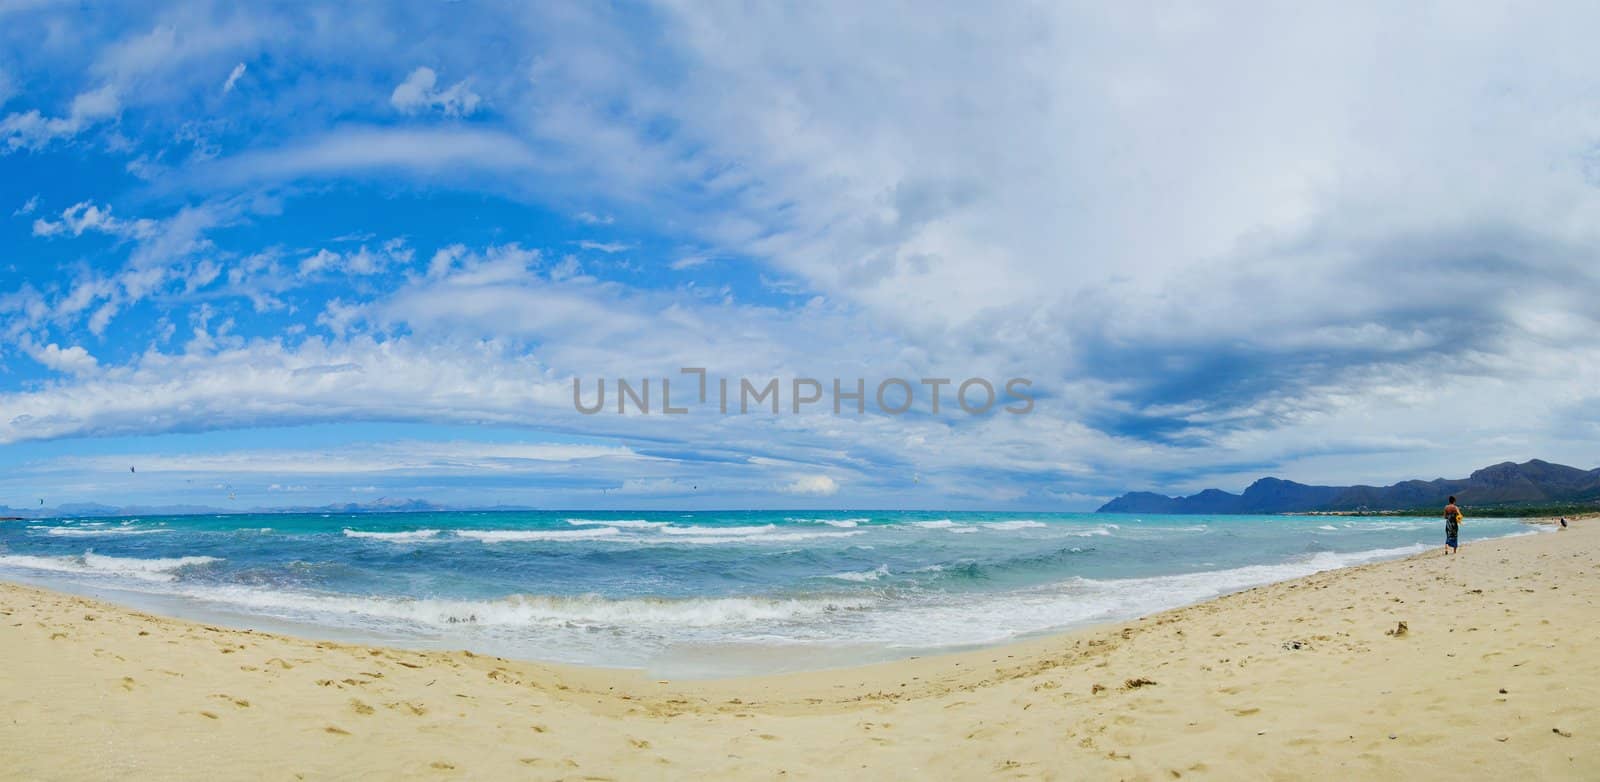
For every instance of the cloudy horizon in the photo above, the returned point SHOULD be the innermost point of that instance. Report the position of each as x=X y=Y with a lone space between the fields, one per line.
x=298 y=255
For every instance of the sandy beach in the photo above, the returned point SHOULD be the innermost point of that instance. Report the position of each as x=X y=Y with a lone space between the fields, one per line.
x=1477 y=666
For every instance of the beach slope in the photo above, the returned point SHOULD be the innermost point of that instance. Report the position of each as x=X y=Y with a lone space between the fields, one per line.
x=1477 y=666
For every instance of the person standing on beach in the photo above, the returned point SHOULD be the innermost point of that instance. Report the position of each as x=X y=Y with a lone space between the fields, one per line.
x=1452 y=526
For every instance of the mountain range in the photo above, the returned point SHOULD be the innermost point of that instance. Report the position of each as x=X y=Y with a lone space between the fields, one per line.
x=1507 y=484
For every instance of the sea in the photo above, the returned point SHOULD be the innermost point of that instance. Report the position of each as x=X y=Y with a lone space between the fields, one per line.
x=691 y=595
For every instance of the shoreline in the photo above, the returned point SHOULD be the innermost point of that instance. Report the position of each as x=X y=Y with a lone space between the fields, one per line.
x=708 y=661
x=1293 y=678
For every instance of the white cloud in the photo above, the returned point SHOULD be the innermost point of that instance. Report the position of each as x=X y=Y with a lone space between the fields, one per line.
x=73 y=360
x=233 y=78
x=363 y=261
x=86 y=216
x=590 y=218
x=609 y=248
x=811 y=486
x=32 y=130
x=443 y=152
x=456 y=457
x=318 y=262
x=691 y=261
x=27 y=207
x=418 y=92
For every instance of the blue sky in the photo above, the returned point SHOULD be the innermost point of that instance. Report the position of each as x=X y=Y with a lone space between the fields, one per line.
x=300 y=254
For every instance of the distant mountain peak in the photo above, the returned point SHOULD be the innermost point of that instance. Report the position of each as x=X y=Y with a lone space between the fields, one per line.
x=1505 y=484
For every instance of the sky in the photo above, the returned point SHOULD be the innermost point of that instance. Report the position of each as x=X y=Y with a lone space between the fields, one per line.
x=285 y=255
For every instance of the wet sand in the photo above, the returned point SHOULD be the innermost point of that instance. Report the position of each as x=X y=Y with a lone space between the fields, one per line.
x=1482 y=665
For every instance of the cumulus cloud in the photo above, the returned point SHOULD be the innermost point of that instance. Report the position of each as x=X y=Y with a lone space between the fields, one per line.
x=72 y=360
x=86 y=216
x=33 y=130
x=419 y=92
x=362 y=261
x=811 y=486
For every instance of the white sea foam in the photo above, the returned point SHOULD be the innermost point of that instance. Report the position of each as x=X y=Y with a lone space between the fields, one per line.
x=944 y=524
x=1015 y=524
x=761 y=529
x=1097 y=531
x=410 y=536
x=1329 y=527
x=75 y=532
x=160 y=569
x=777 y=537
x=844 y=523
x=586 y=611
x=954 y=620
x=874 y=574
x=1392 y=525
x=619 y=523
x=519 y=535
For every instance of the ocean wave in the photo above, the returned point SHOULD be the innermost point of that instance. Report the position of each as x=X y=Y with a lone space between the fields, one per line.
x=950 y=620
x=410 y=536
x=1391 y=525
x=619 y=523
x=1098 y=531
x=584 y=611
x=159 y=569
x=881 y=571
x=776 y=537
x=844 y=523
x=940 y=524
x=1015 y=524
x=1208 y=583
x=761 y=529
x=520 y=536
x=75 y=532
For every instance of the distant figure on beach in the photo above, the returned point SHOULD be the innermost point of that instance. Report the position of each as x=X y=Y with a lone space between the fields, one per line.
x=1452 y=526
x=1563 y=522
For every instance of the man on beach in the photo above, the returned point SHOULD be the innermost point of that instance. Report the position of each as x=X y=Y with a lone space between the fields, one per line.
x=1452 y=526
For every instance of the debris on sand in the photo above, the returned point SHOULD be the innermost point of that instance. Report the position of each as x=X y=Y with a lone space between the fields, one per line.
x=1398 y=631
x=1134 y=684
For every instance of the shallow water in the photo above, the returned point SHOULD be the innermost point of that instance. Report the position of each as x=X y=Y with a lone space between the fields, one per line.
x=692 y=594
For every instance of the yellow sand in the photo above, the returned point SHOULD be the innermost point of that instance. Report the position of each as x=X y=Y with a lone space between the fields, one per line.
x=1496 y=677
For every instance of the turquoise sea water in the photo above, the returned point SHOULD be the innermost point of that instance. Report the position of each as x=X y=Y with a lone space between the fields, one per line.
x=705 y=593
